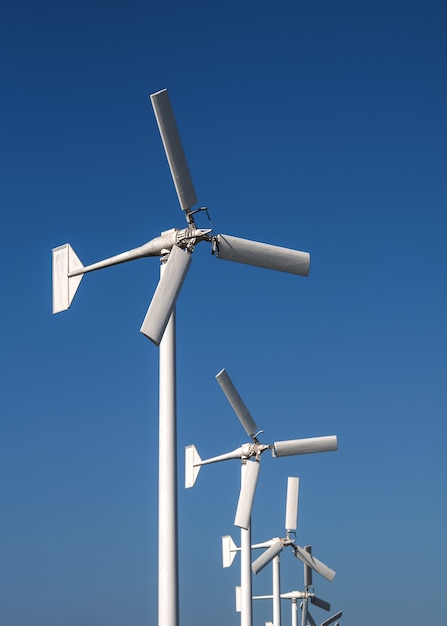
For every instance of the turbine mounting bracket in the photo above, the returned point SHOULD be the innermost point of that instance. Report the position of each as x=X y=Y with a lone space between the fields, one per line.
x=256 y=435
x=255 y=449
x=186 y=238
x=190 y=214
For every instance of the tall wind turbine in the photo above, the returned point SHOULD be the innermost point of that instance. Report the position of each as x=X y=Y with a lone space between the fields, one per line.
x=174 y=247
x=249 y=477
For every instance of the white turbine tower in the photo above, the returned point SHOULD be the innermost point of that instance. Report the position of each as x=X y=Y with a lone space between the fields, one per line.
x=249 y=477
x=175 y=247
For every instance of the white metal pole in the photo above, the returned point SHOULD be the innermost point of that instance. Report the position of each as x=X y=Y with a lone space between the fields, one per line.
x=294 y=612
x=168 y=595
x=276 y=593
x=246 y=599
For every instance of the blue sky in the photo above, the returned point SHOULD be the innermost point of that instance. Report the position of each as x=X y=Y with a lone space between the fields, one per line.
x=319 y=126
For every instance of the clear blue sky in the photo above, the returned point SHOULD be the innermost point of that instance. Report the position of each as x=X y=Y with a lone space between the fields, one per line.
x=319 y=126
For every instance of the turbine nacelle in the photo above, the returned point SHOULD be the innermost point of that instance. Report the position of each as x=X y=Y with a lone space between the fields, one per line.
x=68 y=270
x=193 y=461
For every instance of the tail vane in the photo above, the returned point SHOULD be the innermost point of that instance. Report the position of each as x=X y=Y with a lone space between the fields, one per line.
x=65 y=262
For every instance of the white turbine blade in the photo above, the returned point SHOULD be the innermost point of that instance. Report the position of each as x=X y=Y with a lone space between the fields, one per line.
x=229 y=550
x=166 y=294
x=174 y=149
x=65 y=261
x=314 y=563
x=305 y=446
x=307 y=570
x=193 y=463
x=247 y=494
x=292 y=503
x=262 y=255
x=237 y=403
x=332 y=619
x=266 y=557
x=322 y=604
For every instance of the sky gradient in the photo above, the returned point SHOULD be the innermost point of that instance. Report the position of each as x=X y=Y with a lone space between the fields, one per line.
x=319 y=126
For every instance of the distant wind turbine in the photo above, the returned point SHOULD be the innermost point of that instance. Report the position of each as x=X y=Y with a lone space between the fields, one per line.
x=249 y=477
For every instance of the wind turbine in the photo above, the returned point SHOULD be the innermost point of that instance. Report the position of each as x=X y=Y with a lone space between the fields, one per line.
x=249 y=477
x=174 y=247
x=229 y=550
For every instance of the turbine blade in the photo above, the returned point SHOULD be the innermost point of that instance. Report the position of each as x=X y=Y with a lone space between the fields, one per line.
x=174 y=149
x=314 y=563
x=292 y=503
x=332 y=619
x=247 y=494
x=266 y=557
x=322 y=604
x=262 y=255
x=305 y=446
x=166 y=294
x=307 y=570
x=237 y=403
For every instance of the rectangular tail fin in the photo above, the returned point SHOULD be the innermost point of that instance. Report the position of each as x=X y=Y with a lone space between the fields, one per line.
x=192 y=465
x=65 y=261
